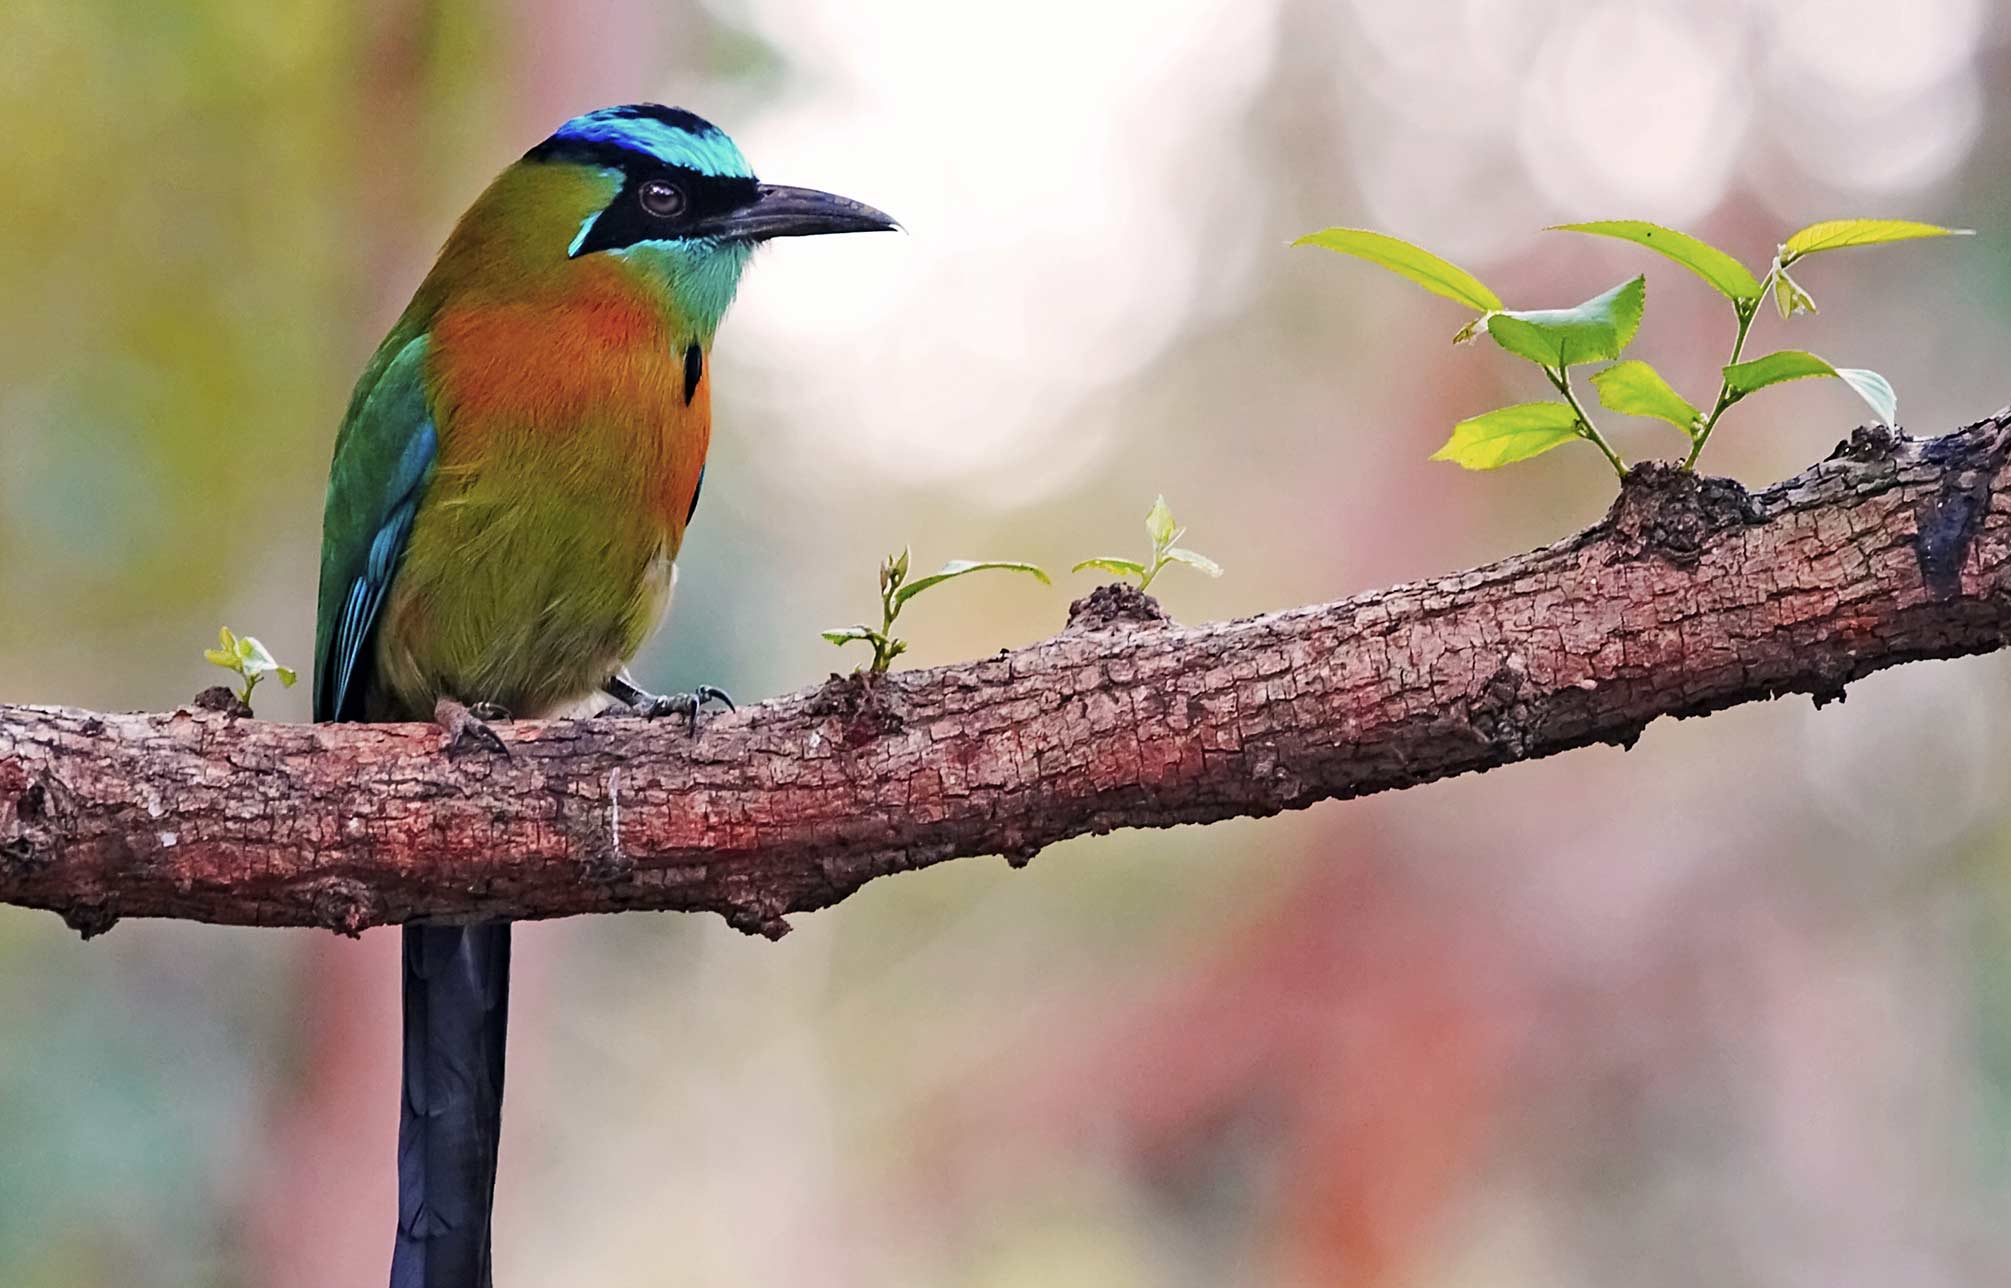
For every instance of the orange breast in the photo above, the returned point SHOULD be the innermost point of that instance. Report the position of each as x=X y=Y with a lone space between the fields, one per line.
x=584 y=386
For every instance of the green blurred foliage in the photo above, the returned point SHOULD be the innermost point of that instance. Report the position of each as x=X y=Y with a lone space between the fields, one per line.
x=182 y=229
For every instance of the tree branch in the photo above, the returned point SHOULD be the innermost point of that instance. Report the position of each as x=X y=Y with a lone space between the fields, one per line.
x=1691 y=595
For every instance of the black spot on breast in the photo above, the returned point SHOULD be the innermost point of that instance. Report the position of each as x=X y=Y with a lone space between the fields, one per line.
x=694 y=370
x=696 y=488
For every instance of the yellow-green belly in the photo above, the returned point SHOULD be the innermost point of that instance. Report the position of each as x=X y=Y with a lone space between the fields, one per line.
x=541 y=554
x=541 y=602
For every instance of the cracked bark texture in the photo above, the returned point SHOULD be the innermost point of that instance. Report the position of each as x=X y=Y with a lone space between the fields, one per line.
x=1691 y=595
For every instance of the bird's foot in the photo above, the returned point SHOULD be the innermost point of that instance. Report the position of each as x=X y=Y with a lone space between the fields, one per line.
x=655 y=706
x=468 y=726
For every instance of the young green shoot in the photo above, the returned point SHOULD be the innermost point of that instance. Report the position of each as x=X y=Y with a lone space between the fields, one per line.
x=895 y=592
x=1598 y=330
x=1164 y=534
x=1747 y=295
x=249 y=660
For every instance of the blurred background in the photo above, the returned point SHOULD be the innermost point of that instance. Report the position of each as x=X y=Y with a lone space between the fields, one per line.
x=1733 y=1008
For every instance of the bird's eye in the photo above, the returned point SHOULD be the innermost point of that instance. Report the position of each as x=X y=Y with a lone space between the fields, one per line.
x=661 y=198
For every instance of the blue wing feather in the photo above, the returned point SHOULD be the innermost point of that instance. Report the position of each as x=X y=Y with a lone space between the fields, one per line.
x=383 y=460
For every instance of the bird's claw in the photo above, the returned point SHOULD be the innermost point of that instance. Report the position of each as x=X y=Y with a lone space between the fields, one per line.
x=467 y=726
x=655 y=706
x=634 y=700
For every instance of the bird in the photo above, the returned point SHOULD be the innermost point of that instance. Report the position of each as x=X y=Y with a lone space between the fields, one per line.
x=510 y=486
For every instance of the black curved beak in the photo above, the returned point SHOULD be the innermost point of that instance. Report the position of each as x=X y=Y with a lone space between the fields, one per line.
x=781 y=211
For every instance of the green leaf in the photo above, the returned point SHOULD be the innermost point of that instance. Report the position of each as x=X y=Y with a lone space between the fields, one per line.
x=228 y=661
x=1875 y=389
x=851 y=633
x=1634 y=388
x=1110 y=563
x=1773 y=369
x=1789 y=297
x=1159 y=524
x=1731 y=278
x=1595 y=331
x=1436 y=275
x=1509 y=434
x=257 y=659
x=1194 y=559
x=287 y=675
x=959 y=568
x=1836 y=234
x=1793 y=364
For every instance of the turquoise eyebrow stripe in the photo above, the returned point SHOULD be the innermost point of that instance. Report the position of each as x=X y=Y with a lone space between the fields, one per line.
x=710 y=153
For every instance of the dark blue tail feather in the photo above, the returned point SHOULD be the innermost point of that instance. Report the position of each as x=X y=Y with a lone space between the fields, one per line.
x=457 y=1005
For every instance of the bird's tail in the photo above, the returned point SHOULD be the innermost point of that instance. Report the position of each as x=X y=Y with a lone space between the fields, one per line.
x=457 y=1005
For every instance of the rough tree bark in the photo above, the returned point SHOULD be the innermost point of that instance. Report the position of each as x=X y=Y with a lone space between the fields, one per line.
x=1691 y=595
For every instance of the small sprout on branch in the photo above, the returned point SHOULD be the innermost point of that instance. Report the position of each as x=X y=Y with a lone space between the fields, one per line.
x=1601 y=328
x=896 y=590
x=1163 y=533
x=1748 y=293
x=249 y=660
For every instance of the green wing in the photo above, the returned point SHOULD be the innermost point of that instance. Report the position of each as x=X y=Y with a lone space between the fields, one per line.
x=383 y=461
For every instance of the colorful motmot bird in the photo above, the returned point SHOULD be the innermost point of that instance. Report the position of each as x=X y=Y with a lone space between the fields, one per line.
x=509 y=491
